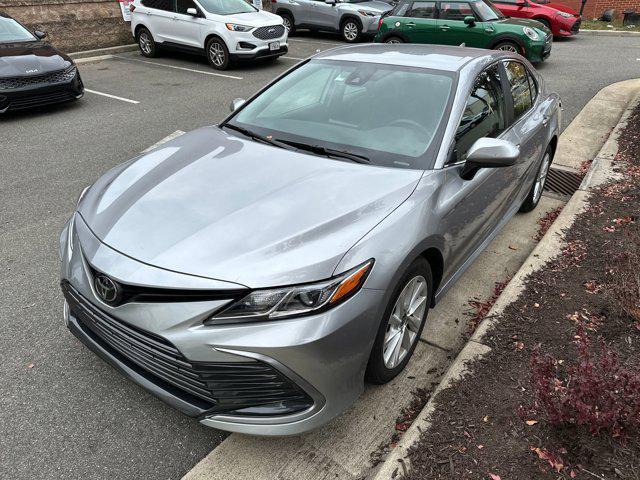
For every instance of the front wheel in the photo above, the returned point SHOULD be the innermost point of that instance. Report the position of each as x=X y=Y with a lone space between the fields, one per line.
x=394 y=40
x=287 y=21
x=508 y=46
x=218 y=54
x=535 y=194
x=402 y=324
x=351 y=30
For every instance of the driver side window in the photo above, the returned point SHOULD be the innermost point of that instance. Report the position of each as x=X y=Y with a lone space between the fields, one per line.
x=484 y=114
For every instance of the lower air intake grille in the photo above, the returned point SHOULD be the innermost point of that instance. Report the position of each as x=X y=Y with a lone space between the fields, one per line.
x=243 y=388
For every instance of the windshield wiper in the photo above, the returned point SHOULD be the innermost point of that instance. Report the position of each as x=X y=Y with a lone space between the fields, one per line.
x=328 y=152
x=257 y=137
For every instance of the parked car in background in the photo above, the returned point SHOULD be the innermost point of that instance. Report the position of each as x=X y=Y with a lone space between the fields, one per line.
x=352 y=18
x=476 y=23
x=32 y=72
x=254 y=273
x=560 y=23
x=559 y=6
x=225 y=30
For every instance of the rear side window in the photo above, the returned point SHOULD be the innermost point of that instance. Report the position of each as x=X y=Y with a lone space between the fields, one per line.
x=159 y=4
x=455 y=11
x=517 y=76
x=422 y=10
x=484 y=114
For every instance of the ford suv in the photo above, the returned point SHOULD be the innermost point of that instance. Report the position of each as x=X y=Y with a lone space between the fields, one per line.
x=225 y=30
x=354 y=19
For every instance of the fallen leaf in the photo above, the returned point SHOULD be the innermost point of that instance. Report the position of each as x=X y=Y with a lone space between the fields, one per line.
x=31 y=365
x=480 y=447
x=519 y=345
x=494 y=476
x=486 y=419
x=513 y=247
x=537 y=305
x=531 y=422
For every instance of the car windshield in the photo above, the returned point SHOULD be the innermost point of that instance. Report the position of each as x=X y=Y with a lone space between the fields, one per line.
x=226 y=7
x=386 y=114
x=12 y=31
x=487 y=11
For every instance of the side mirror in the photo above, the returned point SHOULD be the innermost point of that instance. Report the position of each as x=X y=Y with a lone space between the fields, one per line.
x=469 y=20
x=236 y=103
x=330 y=2
x=489 y=153
x=40 y=35
x=193 y=12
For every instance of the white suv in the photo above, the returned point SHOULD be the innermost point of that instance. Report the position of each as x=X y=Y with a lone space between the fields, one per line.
x=226 y=30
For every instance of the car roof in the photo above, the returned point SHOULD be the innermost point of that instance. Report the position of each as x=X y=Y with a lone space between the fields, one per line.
x=437 y=57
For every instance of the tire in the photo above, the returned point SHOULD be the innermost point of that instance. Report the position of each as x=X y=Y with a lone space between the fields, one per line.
x=535 y=192
x=146 y=43
x=218 y=54
x=287 y=19
x=386 y=361
x=393 y=39
x=508 y=46
x=350 y=30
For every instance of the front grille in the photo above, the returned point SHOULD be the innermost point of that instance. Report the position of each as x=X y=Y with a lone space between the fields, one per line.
x=40 y=99
x=270 y=32
x=59 y=76
x=242 y=388
x=576 y=26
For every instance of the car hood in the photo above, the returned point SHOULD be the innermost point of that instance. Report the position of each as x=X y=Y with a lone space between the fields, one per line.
x=30 y=58
x=254 y=19
x=374 y=5
x=563 y=8
x=223 y=207
x=522 y=22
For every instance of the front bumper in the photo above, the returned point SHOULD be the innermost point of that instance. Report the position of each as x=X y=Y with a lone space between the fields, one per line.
x=568 y=26
x=36 y=94
x=247 y=46
x=540 y=51
x=320 y=359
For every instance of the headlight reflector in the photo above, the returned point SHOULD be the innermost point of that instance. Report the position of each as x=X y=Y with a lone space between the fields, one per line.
x=565 y=14
x=234 y=27
x=531 y=33
x=276 y=303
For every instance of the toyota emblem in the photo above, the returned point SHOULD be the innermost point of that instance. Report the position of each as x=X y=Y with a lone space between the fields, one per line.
x=107 y=289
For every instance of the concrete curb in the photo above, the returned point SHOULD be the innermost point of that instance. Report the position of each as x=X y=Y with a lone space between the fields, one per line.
x=600 y=172
x=610 y=33
x=98 y=54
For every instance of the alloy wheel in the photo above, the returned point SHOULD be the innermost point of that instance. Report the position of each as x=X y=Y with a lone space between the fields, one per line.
x=542 y=177
x=216 y=54
x=287 y=23
x=392 y=40
x=145 y=43
x=404 y=324
x=350 y=31
x=508 y=47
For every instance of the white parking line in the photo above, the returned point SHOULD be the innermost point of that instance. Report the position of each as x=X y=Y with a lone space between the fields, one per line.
x=112 y=96
x=171 y=136
x=287 y=57
x=177 y=68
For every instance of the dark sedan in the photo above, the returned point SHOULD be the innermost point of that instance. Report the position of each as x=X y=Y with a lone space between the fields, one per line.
x=32 y=72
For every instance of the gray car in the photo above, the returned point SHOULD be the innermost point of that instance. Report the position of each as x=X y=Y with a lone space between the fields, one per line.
x=253 y=274
x=352 y=18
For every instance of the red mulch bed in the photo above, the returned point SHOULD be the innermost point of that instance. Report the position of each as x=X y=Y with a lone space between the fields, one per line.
x=492 y=425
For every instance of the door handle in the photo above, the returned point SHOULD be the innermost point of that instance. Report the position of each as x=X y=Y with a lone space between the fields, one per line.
x=410 y=24
x=445 y=27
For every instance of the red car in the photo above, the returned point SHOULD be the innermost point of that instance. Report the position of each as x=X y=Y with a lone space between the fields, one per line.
x=561 y=23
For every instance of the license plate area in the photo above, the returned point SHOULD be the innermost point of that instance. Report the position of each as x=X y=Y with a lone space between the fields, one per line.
x=273 y=46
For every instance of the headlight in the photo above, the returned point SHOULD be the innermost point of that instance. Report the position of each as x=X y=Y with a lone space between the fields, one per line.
x=234 y=27
x=283 y=302
x=531 y=33
x=367 y=13
x=565 y=14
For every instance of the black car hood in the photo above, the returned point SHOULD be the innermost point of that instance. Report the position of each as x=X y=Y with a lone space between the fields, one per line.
x=30 y=58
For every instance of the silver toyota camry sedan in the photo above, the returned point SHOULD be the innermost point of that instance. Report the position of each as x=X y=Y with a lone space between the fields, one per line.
x=256 y=273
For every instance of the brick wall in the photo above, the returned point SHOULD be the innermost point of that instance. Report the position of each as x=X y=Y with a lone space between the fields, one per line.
x=73 y=25
x=594 y=8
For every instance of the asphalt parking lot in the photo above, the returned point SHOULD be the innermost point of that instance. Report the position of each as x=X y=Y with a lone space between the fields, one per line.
x=64 y=413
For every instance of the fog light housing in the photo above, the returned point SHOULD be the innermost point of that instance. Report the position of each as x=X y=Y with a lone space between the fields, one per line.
x=246 y=46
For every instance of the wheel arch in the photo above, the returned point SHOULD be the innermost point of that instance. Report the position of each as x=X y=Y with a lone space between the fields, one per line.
x=507 y=37
x=209 y=37
x=436 y=261
x=394 y=33
x=349 y=16
x=282 y=10
x=139 y=27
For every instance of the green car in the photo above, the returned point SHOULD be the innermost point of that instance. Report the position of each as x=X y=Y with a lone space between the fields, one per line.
x=472 y=23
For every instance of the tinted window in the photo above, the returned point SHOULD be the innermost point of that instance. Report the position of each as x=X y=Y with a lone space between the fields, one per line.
x=391 y=114
x=455 y=11
x=12 y=31
x=226 y=7
x=483 y=115
x=400 y=10
x=183 y=5
x=517 y=76
x=422 y=10
x=159 y=4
